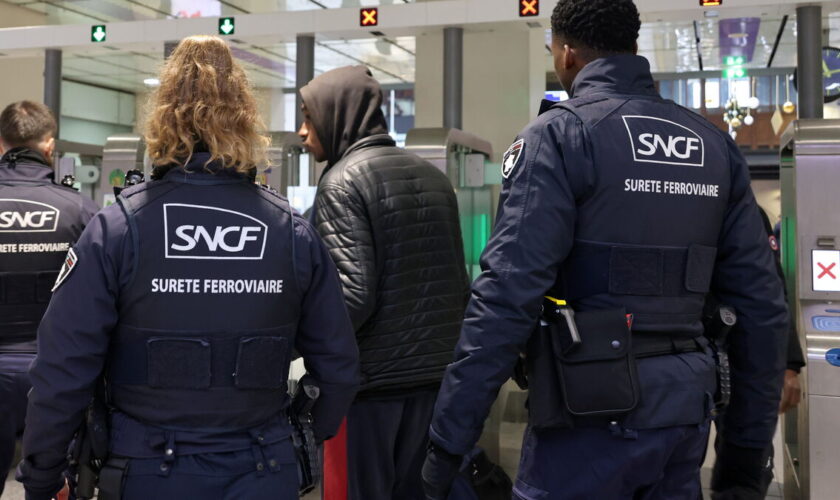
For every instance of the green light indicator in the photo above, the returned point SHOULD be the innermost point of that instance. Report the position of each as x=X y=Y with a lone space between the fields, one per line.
x=735 y=72
x=734 y=67
x=227 y=26
x=97 y=33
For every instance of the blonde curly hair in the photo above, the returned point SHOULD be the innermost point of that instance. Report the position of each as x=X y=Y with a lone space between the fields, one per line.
x=205 y=97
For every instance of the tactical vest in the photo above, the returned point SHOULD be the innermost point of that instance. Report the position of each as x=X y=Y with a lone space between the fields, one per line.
x=39 y=221
x=646 y=232
x=207 y=323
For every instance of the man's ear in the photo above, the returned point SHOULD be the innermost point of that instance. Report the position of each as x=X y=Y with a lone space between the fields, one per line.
x=48 y=147
x=569 y=57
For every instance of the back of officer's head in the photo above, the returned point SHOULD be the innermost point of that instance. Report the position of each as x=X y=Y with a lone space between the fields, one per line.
x=205 y=101
x=591 y=29
x=28 y=124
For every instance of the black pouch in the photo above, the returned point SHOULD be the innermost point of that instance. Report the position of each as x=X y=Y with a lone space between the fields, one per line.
x=178 y=363
x=599 y=376
x=262 y=363
x=545 y=397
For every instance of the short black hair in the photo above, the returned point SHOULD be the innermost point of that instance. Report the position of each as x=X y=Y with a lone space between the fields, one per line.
x=25 y=123
x=604 y=26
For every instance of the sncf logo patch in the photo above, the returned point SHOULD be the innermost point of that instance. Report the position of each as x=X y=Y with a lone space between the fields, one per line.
x=24 y=216
x=655 y=140
x=201 y=232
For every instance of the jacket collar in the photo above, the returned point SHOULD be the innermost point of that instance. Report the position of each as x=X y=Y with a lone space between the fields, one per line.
x=198 y=171
x=369 y=141
x=26 y=164
x=619 y=74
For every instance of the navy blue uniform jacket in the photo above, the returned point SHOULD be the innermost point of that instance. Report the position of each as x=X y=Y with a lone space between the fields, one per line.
x=561 y=160
x=74 y=336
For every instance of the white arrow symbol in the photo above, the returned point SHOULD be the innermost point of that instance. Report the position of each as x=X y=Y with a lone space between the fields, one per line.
x=226 y=27
x=99 y=34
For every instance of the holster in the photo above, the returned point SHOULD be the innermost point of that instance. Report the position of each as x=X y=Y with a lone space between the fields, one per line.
x=303 y=437
x=111 y=478
x=90 y=448
x=718 y=321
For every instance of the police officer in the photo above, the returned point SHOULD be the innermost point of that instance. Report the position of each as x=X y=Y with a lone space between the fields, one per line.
x=188 y=297
x=39 y=220
x=626 y=210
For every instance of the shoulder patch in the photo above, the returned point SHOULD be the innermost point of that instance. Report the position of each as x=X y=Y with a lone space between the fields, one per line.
x=69 y=264
x=511 y=157
x=774 y=244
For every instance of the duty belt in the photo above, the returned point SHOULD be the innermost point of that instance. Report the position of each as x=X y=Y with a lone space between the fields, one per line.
x=650 y=345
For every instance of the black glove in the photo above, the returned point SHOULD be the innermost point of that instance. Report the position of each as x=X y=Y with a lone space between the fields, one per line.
x=740 y=473
x=439 y=472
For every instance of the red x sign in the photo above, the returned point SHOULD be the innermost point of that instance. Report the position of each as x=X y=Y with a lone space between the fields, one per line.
x=369 y=17
x=826 y=270
x=825 y=265
x=529 y=8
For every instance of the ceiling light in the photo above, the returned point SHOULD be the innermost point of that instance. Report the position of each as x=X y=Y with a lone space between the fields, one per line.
x=151 y=82
x=711 y=13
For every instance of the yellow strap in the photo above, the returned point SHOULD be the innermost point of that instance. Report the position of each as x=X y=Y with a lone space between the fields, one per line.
x=556 y=301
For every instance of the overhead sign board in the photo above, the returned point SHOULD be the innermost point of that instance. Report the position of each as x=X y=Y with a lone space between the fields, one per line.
x=369 y=17
x=711 y=3
x=529 y=8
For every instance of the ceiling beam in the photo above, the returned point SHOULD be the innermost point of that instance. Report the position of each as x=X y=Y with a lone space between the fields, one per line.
x=394 y=20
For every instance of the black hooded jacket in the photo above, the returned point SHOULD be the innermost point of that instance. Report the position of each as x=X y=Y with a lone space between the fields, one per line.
x=390 y=221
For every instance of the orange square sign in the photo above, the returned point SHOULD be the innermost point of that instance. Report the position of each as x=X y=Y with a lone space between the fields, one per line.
x=369 y=17
x=529 y=8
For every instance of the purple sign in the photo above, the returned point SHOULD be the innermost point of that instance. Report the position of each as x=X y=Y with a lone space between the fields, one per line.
x=738 y=37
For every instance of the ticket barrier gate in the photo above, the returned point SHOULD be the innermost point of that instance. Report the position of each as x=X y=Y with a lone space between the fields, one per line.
x=77 y=165
x=284 y=159
x=463 y=157
x=121 y=153
x=810 y=174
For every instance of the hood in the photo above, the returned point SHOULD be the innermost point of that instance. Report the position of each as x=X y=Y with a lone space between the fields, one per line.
x=345 y=105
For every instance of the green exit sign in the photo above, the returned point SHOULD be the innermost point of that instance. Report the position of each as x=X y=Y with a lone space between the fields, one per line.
x=227 y=26
x=734 y=67
x=734 y=60
x=97 y=33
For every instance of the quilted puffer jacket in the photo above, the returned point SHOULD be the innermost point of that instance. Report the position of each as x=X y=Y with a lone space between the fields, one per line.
x=390 y=221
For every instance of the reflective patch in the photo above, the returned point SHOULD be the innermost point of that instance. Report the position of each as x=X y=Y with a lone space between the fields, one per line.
x=774 y=244
x=511 y=158
x=69 y=264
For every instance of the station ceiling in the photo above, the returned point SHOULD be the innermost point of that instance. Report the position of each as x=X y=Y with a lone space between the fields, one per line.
x=669 y=45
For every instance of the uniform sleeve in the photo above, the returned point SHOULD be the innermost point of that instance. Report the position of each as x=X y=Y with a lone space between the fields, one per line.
x=532 y=236
x=325 y=336
x=72 y=346
x=795 y=359
x=89 y=209
x=342 y=221
x=746 y=278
